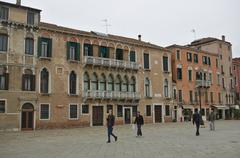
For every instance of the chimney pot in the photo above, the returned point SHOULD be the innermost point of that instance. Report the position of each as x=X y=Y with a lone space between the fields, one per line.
x=18 y=2
x=223 y=37
x=139 y=37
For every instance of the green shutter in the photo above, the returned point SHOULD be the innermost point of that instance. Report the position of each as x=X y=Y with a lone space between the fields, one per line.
x=132 y=56
x=99 y=51
x=49 y=47
x=39 y=46
x=78 y=51
x=68 y=50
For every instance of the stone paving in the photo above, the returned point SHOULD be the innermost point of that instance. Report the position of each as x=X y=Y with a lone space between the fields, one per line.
x=171 y=140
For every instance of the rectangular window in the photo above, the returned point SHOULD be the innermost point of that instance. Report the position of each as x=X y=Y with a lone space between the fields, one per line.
x=179 y=73
x=119 y=111
x=88 y=50
x=3 y=42
x=204 y=60
x=196 y=96
x=165 y=64
x=178 y=55
x=4 y=13
x=29 y=46
x=73 y=111
x=209 y=61
x=222 y=69
x=211 y=97
x=219 y=98
x=28 y=82
x=44 y=112
x=4 y=79
x=174 y=94
x=203 y=112
x=132 y=56
x=44 y=47
x=189 y=56
x=148 y=110
x=134 y=111
x=190 y=75
x=85 y=109
x=190 y=96
x=167 y=110
x=30 y=18
x=119 y=54
x=195 y=58
x=73 y=51
x=218 y=79
x=2 y=106
x=180 y=95
x=223 y=84
x=210 y=77
x=146 y=61
x=217 y=63
x=206 y=97
x=109 y=107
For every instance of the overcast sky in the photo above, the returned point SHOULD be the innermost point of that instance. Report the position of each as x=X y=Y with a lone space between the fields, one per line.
x=162 y=22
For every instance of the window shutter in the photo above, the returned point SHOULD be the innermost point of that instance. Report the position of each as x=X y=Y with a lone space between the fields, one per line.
x=23 y=78
x=33 y=82
x=39 y=46
x=78 y=51
x=6 y=81
x=49 y=47
x=68 y=50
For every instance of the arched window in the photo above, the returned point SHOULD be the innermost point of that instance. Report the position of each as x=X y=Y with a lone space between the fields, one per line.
x=166 y=88
x=94 y=82
x=118 y=83
x=28 y=81
x=103 y=84
x=44 y=81
x=125 y=84
x=4 y=77
x=147 y=87
x=86 y=82
x=73 y=83
x=110 y=83
x=132 y=85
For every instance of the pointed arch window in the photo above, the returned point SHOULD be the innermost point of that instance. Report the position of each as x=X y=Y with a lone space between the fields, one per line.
x=166 y=93
x=103 y=84
x=118 y=84
x=28 y=81
x=86 y=82
x=44 y=85
x=125 y=84
x=110 y=83
x=132 y=85
x=73 y=83
x=4 y=78
x=94 y=82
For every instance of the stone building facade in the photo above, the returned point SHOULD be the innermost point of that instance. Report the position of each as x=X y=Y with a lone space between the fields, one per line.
x=236 y=81
x=57 y=77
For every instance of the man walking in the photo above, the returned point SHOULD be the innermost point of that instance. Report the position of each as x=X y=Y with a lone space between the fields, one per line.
x=110 y=124
x=139 y=121
x=211 y=120
x=197 y=121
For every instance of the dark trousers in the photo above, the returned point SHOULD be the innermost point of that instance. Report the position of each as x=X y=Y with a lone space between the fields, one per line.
x=139 y=130
x=110 y=130
x=197 y=127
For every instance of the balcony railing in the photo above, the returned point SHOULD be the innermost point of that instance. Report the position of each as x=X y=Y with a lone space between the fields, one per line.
x=89 y=60
x=111 y=95
x=203 y=83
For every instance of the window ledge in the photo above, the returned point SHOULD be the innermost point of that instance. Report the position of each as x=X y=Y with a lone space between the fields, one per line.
x=147 y=69
x=45 y=94
x=29 y=55
x=73 y=95
x=166 y=72
x=45 y=58
x=73 y=61
x=3 y=52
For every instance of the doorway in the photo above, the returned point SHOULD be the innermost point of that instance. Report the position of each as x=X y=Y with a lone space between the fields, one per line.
x=158 y=113
x=27 y=117
x=127 y=115
x=97 y=116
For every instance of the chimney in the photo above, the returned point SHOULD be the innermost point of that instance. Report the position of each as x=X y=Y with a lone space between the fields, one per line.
x=18 y=2
x=139 y=37
x=223 y=37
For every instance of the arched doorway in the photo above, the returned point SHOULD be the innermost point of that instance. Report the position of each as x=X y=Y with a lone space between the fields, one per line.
x=27 y=116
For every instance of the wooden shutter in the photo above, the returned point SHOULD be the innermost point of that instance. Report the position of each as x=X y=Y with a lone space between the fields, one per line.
x=39 y=46
x=6 y=81
x=78 y=51
x=68 y=50
x=49 y=47
x=33 y=83
x=23 y=79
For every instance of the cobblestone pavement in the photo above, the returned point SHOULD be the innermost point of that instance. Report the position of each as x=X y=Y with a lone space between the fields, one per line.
x=171 y=140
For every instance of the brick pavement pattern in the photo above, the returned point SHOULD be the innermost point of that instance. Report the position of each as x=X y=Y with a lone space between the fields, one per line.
x=171 y=140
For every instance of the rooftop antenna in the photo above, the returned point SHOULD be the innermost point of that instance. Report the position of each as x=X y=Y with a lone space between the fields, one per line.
x=194 y=33
x=106 y=25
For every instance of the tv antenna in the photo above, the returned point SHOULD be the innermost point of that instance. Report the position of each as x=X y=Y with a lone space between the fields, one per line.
x=106 y=25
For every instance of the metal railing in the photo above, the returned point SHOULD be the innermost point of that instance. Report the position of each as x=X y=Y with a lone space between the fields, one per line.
x=89 y=60
x=203 y=83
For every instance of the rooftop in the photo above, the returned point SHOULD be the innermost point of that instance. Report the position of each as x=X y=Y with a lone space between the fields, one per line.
x=19 y=6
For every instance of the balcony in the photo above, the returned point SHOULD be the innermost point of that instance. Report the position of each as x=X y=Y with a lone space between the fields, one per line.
x=203 y=84
x=111 y=95
x=107 y=62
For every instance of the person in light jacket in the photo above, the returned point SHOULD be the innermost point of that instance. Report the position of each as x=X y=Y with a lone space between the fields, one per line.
x=211 y=119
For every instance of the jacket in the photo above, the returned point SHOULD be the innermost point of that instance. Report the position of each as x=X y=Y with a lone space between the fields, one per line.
x=110 y=120
x=139 y=120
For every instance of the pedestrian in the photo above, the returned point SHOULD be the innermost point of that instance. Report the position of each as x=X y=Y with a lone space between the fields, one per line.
x=211 y=120
x=139 y=121
x=110 y=124
x=197 y=121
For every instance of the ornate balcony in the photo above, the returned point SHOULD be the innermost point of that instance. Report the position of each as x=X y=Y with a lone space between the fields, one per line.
x=107 y=62
x=203 y=84
x=111 y=95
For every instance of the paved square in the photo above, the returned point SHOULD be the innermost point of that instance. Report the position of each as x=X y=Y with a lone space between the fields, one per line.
x=171 y=140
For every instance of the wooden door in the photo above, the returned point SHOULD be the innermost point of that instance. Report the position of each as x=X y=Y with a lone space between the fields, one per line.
x=127 y=115
x=158 y=113
x=27 y=117
x=97 y=116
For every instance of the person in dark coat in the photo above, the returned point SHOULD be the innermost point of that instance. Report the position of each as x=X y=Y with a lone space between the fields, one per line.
x=211 y=119
x=110 y=124
x=139 y=121
x=197 y=121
